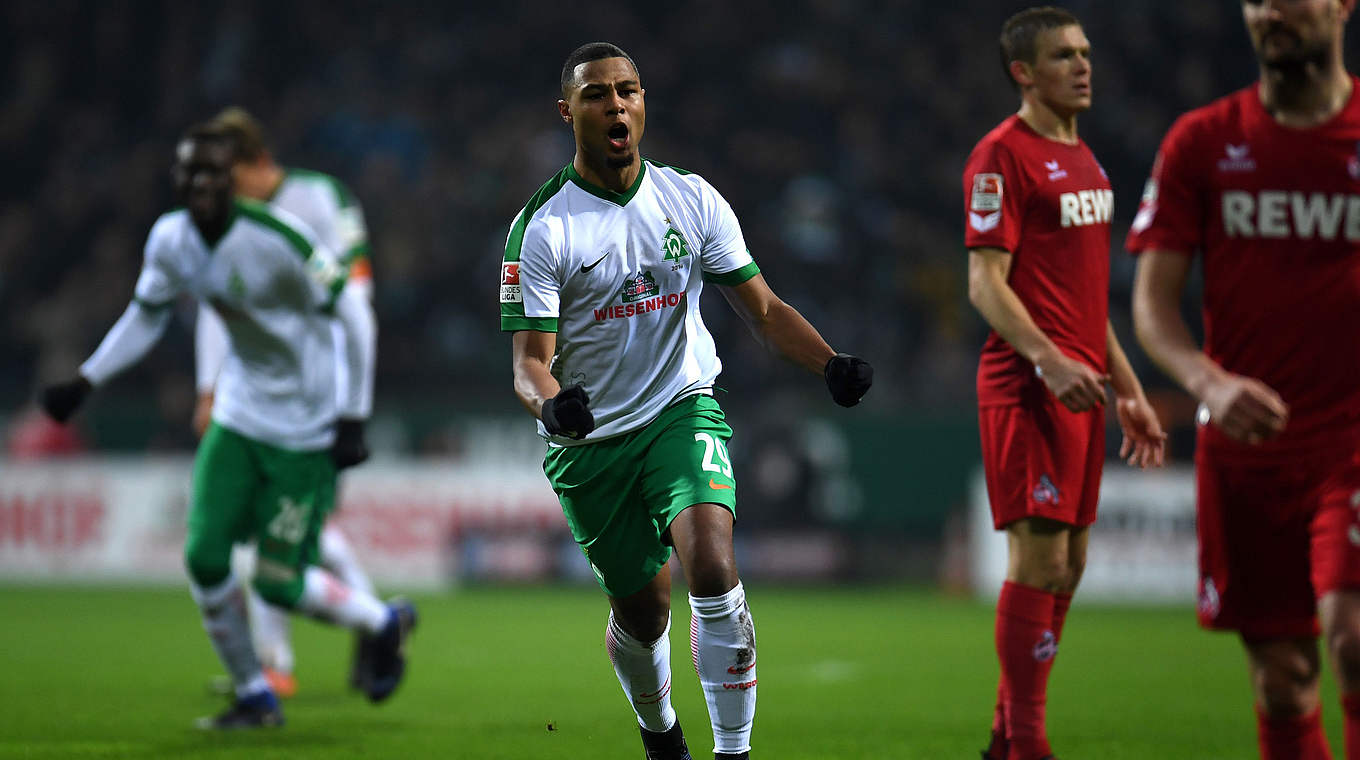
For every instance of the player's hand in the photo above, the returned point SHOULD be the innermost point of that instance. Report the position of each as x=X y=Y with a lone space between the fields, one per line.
x=568 y=413
x=349 y=448
x=1245 y=409
x=202 y=413
x=848 y=378
x=1144 y=441
x=60 y=400
x=1075 y=384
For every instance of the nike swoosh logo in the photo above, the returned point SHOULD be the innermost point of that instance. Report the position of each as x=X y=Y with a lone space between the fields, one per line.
x=585 y=268
x=717 y=486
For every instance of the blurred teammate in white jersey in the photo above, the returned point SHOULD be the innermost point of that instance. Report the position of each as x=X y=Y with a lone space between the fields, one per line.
x=326 y=206
x=266 y=468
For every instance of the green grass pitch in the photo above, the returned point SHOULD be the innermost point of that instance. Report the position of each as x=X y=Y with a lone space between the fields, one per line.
x=521 y=674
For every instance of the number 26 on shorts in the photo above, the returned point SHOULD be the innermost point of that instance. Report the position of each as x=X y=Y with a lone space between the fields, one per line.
x=712 y=445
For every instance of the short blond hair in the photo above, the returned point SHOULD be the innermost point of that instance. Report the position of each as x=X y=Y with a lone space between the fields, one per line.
x=244 y=130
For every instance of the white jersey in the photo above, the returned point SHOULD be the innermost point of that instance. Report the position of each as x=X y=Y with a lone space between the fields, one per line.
x=329 y=210
x=618 y=278
x=325 y=205
x=274 y=286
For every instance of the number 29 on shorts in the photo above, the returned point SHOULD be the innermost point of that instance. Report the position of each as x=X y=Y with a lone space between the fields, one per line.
x=714 y=445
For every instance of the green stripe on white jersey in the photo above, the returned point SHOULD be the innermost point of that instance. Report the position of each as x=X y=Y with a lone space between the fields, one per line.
x=618 y=277
x=325 y=205
x=271 y=282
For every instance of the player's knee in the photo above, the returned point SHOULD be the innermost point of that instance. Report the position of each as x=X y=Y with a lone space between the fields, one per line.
x=710 y=570
x=1344 y=648
x=1075 y=569
x=1282 y=698
x=712 y=578
x=645 y=626
x=279 y=592
x=1046 y=574
x=206 y=565
x=1287 y=686
x=1056 y=575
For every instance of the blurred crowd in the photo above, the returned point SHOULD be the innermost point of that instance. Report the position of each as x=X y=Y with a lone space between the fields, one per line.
x=837 y=129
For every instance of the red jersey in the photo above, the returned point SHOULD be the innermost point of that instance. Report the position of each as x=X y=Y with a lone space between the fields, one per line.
x=1275 y=212
x=1049 y=204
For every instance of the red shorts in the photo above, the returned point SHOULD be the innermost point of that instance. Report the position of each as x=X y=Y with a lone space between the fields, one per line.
x=1042 y=460
x=1272 y=540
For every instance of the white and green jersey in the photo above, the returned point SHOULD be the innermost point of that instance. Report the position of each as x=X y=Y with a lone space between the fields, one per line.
x=325 y=205
x=617 y=276
x=277 y=290
x=332 y=213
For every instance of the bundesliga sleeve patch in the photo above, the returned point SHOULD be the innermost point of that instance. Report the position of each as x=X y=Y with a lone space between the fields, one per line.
x=986 y=192
x=1147 y=207
x=510 y=288
x=1150 y=191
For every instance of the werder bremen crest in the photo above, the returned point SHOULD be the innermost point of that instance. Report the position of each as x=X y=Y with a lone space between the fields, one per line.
x=236 y=286
x=641 y=286
x=674 y=245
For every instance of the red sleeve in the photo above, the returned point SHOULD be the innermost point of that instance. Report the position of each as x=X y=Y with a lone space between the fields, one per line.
x=993 y=198
x=1171 y=214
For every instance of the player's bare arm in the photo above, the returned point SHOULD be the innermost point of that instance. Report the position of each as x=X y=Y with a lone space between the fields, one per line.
x=780 y=328
x=532 y=352
x=1075 y=384
x=564 y=411
x=202 y=413
x=1144 y=441
x=776 y=325
x=1244 y=408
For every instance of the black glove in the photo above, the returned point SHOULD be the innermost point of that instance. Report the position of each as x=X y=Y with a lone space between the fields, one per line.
x=848 y=377
x=349 y=448
x=566 y=414
x=60 y=400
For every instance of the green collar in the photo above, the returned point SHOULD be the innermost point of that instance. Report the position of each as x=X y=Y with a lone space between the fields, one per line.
x=618 y=199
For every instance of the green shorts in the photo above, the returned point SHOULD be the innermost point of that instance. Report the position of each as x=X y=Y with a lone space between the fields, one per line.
x=245 y=490
x=620 y=495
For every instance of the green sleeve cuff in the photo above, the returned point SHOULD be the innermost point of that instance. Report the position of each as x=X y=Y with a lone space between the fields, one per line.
x=539 y=324
x=357 y=252
x=734 y=277
x=151 y=306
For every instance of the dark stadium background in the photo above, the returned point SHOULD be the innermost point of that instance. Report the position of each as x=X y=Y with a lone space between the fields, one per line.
x=837 y=129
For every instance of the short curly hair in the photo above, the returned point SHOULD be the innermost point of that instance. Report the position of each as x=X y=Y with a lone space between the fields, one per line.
x=591 y=51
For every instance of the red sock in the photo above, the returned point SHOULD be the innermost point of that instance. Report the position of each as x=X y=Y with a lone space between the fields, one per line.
x=1026 y=646
x=997 y=750
x=1350 y=705
x=1292 y=738
x=1060 y=604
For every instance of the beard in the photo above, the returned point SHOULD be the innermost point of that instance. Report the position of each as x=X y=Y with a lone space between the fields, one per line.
x=620 y=163
x=1298 y=61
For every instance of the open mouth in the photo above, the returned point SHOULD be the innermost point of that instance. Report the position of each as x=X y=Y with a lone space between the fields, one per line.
x=618 y=136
